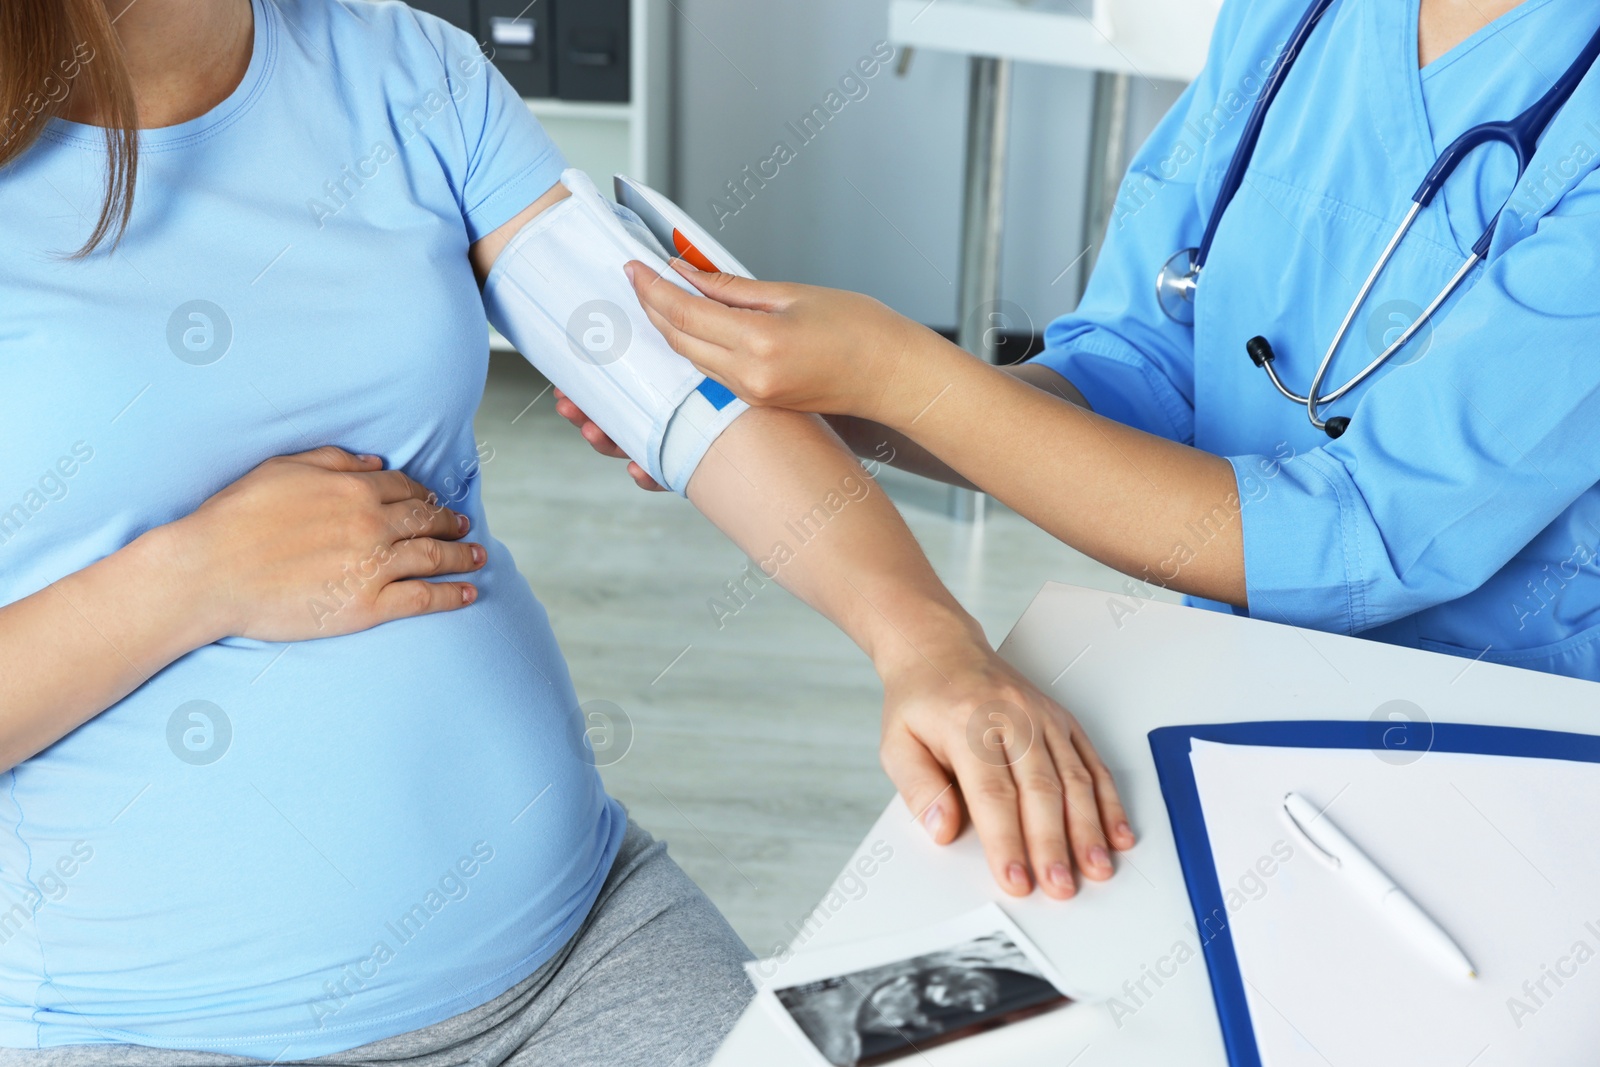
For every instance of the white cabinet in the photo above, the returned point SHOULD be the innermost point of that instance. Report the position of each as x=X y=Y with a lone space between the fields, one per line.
x=632 y=138
x=603 y=139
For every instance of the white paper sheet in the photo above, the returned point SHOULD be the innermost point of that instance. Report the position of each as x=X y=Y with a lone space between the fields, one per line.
x=1504 y=852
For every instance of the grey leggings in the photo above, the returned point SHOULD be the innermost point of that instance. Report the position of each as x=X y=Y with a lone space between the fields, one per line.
x=654 y=976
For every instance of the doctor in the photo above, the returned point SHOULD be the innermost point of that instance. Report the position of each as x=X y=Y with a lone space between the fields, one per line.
x=1447 y=500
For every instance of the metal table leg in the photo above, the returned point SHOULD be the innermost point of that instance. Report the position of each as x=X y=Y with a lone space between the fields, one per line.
x=982 y=222
x=1108 y=144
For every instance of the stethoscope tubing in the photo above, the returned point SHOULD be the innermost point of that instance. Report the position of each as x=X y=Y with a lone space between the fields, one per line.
x=1233 y=177
x=1521 y=134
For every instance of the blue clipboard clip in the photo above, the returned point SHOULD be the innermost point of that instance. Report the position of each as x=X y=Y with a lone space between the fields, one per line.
x=1170 y=745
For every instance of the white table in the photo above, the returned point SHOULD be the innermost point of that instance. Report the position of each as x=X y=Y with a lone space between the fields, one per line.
x=1146 y=38
x=1165 y=665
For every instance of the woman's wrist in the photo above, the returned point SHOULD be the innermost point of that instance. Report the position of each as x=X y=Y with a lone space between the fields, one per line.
x=139 y=604
x=929 y=633
x=191 y=598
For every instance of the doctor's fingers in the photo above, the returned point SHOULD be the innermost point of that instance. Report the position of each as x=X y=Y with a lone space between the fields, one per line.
x=587 y=427
x=590 y=431
x=569 y=410
x=642 y=479
x=692 y=314
x=735 y=291
x=708 y=358
x=575 y=415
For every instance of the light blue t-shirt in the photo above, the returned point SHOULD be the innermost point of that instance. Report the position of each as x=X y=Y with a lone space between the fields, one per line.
x=282 y=850
x=1460 y=511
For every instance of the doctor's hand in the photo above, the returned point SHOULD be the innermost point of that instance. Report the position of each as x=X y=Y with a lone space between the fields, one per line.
x=777 y=344
x=601 y=442
x=967 y=737
x=318 y=544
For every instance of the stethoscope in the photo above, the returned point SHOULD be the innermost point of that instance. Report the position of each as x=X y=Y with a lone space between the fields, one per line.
x=1180 y=275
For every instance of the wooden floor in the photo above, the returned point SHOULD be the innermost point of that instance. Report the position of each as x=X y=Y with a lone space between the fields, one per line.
x=754 y=744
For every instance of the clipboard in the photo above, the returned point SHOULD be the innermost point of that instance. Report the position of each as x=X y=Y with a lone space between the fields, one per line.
x=1170 y=747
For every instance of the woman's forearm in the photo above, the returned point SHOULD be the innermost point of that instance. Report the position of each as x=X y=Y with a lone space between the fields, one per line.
x=81 y=644
x=785 y=491
x=789 y=493
x=1127 y=498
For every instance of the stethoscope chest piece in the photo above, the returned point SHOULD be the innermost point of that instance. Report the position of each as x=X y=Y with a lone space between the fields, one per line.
x=1175 y=285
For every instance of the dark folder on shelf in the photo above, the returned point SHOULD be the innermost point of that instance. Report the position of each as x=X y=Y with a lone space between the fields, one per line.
x=519 y=38
x=592 y=49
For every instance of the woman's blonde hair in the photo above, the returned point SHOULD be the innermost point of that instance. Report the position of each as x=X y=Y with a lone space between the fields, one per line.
x=49 y=51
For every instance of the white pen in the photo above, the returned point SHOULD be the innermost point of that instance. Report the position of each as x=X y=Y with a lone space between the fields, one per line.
x=1372 y=882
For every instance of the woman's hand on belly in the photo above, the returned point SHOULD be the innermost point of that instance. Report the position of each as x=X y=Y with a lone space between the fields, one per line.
x=323 y=543
x=304 y=546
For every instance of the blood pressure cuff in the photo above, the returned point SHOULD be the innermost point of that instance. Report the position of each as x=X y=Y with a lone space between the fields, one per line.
x=557 y=292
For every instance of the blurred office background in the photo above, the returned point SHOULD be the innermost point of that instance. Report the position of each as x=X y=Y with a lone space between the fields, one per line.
x=886 y=173
x=750 y=743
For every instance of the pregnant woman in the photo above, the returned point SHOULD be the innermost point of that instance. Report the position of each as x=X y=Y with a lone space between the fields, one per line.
x=294 y=769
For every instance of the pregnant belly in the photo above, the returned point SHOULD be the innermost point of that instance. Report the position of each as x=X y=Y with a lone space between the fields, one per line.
x=331 y=840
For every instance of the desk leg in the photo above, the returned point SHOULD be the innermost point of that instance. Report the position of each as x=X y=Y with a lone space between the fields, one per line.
x=1108 y=144
x=982 y=222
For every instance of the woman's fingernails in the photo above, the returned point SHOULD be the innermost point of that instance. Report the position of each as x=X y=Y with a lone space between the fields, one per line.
x=468 y=594
x=463 y=524
x=630 y=270
x=1061 y=875
x=1125 y=831
x=1098 y=857
x=933 y=820
x=1017 y=874
x=479 y=555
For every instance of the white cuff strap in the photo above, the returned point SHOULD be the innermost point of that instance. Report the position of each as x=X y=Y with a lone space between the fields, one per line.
x=557 y=292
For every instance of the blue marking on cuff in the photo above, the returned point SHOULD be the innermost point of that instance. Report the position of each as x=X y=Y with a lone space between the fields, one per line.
x=714 y=391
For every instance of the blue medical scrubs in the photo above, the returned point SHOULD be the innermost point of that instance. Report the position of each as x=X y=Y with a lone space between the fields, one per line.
x=1459 y=513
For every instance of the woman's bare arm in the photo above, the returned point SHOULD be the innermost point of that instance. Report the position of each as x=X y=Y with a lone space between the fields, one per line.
x=1047 y=804
x=83 y=643
x=1041 y=805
